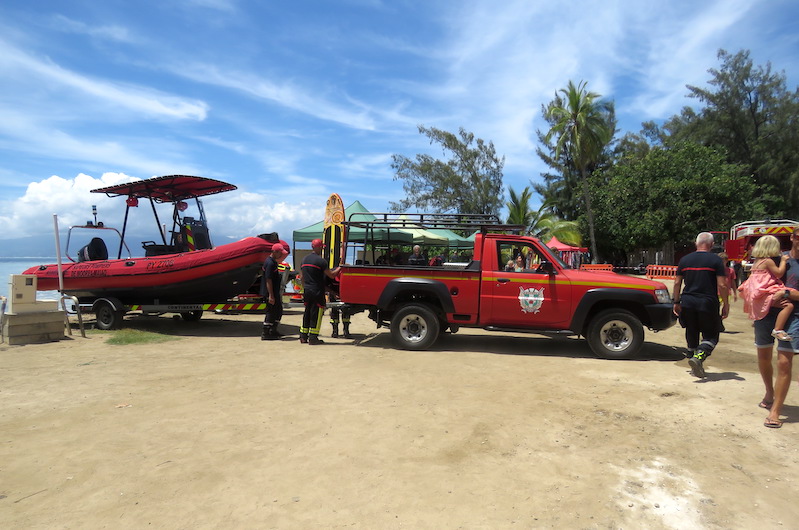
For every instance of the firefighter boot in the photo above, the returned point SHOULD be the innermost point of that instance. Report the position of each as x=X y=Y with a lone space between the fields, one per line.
x=303 y=338
x=335 y=330
x=347 y=330
x=268 y=333
x=314 y=339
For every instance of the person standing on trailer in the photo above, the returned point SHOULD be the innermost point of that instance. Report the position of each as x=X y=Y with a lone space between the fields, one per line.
x=314 y=269
x=271 y=291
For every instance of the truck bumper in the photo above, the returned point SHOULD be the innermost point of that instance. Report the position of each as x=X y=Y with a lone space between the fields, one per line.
x=661 y=316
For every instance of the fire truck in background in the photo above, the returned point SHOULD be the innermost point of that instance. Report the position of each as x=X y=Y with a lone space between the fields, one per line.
x=743 y=236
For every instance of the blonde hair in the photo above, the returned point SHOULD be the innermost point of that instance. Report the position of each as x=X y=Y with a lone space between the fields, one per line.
x=766 y=247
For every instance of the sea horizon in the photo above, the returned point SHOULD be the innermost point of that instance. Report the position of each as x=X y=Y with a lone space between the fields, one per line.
x=16 y=265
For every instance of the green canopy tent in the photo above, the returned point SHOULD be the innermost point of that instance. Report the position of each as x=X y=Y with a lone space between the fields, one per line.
x=355 y=234
x=455 y=241
x=393 y=233
x=423 y=236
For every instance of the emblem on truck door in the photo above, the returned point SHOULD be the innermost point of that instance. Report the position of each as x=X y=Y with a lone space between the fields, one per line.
x=531 y=299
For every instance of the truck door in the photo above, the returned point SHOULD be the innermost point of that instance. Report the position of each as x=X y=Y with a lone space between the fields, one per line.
x=521 y=294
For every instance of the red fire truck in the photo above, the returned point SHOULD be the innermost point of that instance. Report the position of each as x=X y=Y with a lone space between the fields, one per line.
x=743 y=236
x=541 y=294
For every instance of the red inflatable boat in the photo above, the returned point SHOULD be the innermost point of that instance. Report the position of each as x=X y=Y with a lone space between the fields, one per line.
x=209 y=275
x=184 y=268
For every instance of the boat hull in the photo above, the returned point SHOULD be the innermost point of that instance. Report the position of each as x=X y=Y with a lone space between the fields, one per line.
x=212 y=275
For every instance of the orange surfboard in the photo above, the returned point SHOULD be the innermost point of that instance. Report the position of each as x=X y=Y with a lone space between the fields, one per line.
x=334 y=232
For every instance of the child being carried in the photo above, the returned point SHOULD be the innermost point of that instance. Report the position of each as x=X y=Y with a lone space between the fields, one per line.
x=764 y=283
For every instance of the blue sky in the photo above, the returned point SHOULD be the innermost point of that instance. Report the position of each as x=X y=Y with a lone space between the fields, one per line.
x=291 y=101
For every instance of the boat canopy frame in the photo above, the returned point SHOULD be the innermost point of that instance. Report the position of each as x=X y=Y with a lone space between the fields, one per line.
x=174 y=189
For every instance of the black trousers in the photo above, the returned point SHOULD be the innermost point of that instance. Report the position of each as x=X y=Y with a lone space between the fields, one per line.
x=703 y=323
x=312 y=316
x=274 y=312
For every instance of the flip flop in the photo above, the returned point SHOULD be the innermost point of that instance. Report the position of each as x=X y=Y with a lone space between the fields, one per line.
x=772 y=424
x=765 y=404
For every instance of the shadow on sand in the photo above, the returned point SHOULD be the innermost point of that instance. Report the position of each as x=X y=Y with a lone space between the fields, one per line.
x=537 y=345
x=491 y=343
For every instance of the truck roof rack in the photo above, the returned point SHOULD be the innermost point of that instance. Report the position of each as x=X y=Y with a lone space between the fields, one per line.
x=452 y=221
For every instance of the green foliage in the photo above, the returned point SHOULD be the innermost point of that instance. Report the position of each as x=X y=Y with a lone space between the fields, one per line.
x=670 y=195
x=561 y=187
x=583 y=126
x=749 y=112
x=469 y=182
x=519 y=212
x=543 y=223
x=732 y=159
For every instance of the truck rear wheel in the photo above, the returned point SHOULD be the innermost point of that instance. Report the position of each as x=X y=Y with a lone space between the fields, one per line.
x=414 y=327
x=615 y=334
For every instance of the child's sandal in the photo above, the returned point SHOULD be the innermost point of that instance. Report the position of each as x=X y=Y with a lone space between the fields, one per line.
x=780 y=334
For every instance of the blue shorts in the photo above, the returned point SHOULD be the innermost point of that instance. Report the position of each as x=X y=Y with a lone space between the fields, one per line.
x=763 y=338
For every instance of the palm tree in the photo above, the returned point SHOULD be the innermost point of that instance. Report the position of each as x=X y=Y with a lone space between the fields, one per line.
x=582 y=124
x=519 y=212
x=543 y=223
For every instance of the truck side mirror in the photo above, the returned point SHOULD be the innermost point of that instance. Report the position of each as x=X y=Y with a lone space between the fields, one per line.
x=545 y=267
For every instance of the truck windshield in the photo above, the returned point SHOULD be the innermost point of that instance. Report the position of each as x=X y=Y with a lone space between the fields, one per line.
x=515 y=257
x=557 y=259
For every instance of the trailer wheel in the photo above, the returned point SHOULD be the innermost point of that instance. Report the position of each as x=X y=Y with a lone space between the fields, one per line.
x=414 y=327
x=107 y=316
x=192 y=316
x=615 y=334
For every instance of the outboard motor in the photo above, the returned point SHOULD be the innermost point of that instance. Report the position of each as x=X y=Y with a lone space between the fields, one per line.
x=94 y=251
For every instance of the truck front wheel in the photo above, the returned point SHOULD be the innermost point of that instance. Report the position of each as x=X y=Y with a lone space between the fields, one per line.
x=615 y=334
x=414 y=327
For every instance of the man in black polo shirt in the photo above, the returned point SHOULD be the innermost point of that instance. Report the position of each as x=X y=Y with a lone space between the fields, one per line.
x=697 y=306
x=314 y=269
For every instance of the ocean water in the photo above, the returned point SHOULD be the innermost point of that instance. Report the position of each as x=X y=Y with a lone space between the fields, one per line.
x=9 y=266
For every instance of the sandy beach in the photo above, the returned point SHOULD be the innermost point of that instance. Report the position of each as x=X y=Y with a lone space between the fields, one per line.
x=218 y=429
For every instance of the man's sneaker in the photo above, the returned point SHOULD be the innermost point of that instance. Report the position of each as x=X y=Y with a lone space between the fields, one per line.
x=696 y=365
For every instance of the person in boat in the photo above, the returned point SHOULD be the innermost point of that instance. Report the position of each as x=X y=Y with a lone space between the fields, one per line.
x=270 y=290
x=314 y=269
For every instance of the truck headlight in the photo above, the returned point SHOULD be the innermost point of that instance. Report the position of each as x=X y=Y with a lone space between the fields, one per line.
x=663 y=296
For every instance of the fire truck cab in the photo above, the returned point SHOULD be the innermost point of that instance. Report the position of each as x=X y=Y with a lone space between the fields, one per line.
x=743 y=236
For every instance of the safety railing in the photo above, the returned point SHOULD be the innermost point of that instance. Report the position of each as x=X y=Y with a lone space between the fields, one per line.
x=2 y=318
x=74 y=300
x=661 y=272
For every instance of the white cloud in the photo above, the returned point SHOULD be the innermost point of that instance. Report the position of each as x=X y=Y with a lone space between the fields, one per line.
x=218 y=5
x=231 y=215
x=22 y=133
x=28 y=70
x=285 y=94
x=69 y=199
x=679 y=51
x=111 y=33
